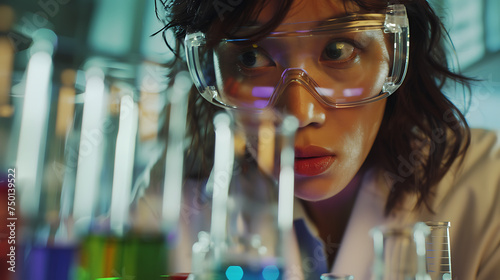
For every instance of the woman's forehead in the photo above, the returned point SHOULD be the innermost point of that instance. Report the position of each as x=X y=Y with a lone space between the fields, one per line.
x=309 y=10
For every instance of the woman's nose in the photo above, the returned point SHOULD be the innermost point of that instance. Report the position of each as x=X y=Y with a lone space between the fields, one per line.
x=298 y=101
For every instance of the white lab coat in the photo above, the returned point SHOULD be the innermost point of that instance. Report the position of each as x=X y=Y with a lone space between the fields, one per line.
x=468 y=197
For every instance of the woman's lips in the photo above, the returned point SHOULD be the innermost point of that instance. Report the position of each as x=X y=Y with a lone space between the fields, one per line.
x=312 y=160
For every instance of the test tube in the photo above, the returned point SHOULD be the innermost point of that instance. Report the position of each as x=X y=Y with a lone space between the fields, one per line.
x=33 y=130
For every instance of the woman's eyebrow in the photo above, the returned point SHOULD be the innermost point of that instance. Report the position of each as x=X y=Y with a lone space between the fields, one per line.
x=255 y=24
x=337 y=14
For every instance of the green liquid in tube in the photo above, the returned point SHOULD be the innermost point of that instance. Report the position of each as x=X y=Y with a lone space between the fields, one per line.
x=130 y=257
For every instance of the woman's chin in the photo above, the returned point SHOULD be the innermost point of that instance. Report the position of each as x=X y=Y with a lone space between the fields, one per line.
x=319 y=187
x=315 y=192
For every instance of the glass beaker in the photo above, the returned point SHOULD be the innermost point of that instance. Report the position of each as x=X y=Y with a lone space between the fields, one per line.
x=252 y=191
x=400 y=252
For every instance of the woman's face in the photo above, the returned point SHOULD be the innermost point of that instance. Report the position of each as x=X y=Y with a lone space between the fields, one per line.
x=331 y=144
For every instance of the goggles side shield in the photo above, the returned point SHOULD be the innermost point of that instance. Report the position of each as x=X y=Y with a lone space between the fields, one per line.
x=342 y=62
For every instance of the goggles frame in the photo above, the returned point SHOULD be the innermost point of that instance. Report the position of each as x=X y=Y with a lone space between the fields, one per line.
x=395 y=21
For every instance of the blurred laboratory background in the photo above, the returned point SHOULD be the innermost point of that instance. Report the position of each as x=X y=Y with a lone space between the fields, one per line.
x=474 y=28
x=64 y=143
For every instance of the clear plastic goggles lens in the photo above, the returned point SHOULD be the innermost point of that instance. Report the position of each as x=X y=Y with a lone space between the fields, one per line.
x=342 y=64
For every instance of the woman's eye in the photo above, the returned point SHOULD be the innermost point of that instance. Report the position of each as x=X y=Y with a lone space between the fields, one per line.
x=338 y=51
x=254 y=59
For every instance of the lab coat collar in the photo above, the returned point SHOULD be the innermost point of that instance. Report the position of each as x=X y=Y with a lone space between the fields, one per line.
x=356 y=254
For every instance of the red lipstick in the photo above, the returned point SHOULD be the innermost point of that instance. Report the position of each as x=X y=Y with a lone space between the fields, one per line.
x=312 y=160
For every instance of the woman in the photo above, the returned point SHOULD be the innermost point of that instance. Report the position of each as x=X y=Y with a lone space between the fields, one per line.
x=378 y=142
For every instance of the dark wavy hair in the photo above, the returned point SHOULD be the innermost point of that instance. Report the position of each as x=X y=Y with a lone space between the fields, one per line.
x=422 y=132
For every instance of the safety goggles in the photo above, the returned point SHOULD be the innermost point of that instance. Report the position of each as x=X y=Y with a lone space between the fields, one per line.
x=343 y=62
